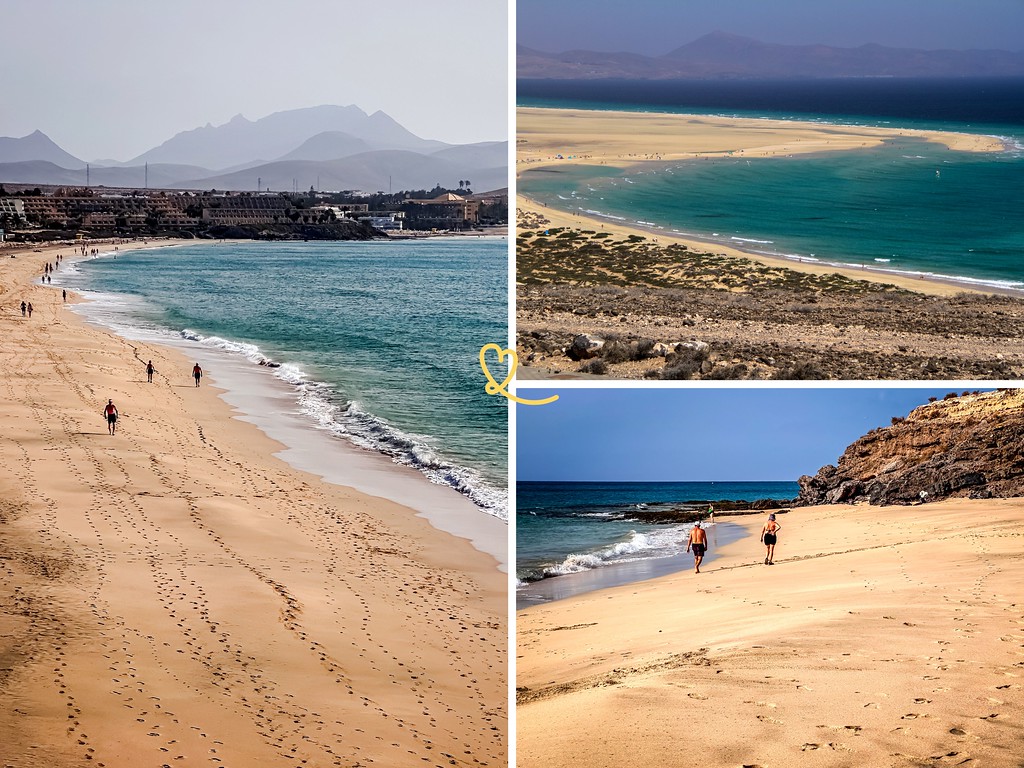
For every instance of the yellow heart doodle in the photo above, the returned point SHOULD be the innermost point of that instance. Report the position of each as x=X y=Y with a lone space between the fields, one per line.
x=493 y=387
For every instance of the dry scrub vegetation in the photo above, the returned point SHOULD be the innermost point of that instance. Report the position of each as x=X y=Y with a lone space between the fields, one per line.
x=668 y=312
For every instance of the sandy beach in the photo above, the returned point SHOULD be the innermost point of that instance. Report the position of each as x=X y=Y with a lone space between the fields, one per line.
x=176 y=594
x=890 y=636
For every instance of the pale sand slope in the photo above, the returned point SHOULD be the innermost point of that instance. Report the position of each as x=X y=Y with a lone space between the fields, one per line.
x=173 y=595
x=881 y=637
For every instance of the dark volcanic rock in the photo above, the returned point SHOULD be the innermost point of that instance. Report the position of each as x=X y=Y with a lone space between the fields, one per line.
x=970 y=446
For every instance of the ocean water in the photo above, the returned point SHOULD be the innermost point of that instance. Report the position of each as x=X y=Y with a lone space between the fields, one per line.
x=909 y=207
x=379 y=341
x=570 y=528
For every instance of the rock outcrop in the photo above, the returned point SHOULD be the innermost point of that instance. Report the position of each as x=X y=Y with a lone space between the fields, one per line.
x=968 y=446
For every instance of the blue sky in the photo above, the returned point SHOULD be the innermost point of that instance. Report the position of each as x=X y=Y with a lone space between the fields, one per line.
x=655 y=27
x=698 y=434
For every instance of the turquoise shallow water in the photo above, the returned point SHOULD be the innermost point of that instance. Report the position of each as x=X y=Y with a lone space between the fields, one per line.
x=380 y=340
x=910 y=206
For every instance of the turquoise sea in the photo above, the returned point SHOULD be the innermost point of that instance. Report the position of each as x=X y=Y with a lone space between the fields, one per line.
x=909 y=206
x=378 y=340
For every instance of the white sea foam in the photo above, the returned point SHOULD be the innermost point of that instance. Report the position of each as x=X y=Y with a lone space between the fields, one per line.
x=752 y=240
x=660 y=543
x=322 y=404
x=603 y=215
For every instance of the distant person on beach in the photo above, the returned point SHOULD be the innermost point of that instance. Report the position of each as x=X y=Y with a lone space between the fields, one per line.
x=699 y=543
x=150 y=370
x=110 y=411
x=769 y=536
x=65 y=294
x=23 y=307
x=30 y=309
x=197 y=373
x=711 y=513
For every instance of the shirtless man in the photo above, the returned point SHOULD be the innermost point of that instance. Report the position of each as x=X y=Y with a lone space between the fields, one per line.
x=110 y=413
x=699 y=542
x=197 y=373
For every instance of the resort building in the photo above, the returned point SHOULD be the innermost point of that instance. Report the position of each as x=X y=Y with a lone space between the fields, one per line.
x=447 y=211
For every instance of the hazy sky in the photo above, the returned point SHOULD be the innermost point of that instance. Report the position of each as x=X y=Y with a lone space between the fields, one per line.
x=698 y=434
x=655 y=27
x=114 y=78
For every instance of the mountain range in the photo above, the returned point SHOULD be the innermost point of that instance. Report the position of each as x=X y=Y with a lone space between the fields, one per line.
x=721 y=55
x=326 y=147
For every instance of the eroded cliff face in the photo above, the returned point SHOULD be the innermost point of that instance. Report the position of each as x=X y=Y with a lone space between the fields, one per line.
x=970 y=446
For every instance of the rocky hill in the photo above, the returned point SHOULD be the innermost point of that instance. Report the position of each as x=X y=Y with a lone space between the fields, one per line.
x=969 y=446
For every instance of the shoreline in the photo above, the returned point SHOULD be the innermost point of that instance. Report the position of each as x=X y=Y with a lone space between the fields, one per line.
x=270 y=402
x=880 y=635
x=927 y=283
x=621 y=573
x=184 y=544
x=666 y=137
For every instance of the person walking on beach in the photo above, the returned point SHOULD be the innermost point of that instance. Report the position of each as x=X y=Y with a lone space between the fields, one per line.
x=110 y=411
x=23 y=306
x=197 y=373
x=711 y=514
x=30 y=310
x=65 y=293
x=769 y=536
x=150 y=370
x=699 y=543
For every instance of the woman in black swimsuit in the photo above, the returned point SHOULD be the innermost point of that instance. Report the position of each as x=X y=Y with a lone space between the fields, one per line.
x=769 y=535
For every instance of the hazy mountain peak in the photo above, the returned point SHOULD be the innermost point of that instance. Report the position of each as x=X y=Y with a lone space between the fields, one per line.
x=36 y=146
x=725 y=55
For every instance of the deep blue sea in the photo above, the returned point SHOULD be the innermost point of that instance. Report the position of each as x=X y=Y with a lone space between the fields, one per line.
x=564 y=528
x=379 y=340
x=909 y=206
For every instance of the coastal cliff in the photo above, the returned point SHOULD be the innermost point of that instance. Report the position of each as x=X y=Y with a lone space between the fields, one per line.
x=968 y=446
